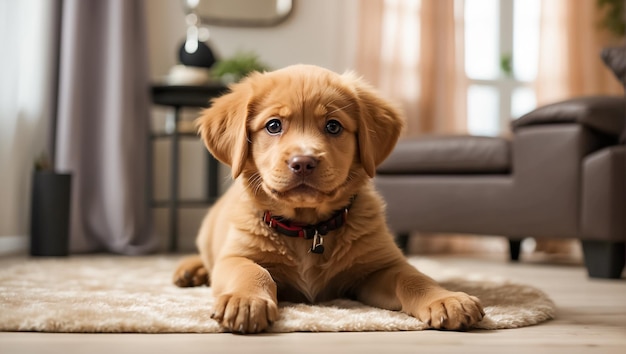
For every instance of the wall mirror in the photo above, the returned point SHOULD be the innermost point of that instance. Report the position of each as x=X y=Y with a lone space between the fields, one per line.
x=248 y=13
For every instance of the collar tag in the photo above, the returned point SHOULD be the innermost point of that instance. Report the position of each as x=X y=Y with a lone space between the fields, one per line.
x=318 y=244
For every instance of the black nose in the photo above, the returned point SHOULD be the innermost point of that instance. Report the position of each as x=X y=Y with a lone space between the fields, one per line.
x=302 y=165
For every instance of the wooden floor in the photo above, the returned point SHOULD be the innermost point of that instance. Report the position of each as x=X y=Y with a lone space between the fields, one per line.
x=592 y=319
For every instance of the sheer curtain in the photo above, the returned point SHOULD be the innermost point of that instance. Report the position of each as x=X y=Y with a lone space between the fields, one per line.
x=27 y=69
x=412 y=51
x=569 y=53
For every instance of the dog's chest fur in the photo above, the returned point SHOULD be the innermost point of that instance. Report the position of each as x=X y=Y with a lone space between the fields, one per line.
x=310 y=277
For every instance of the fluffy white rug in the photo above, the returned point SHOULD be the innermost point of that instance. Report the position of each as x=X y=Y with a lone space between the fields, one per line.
x=135 y=294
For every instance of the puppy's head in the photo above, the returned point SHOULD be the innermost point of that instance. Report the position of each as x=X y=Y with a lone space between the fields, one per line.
x=303 y=135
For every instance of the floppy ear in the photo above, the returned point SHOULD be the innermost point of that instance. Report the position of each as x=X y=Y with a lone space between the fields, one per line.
x=380 y=124
x=223 y=127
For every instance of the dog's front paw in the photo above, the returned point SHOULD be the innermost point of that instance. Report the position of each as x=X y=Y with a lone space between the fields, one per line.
x=450 y=310
x=244 y=314
x=191 y=272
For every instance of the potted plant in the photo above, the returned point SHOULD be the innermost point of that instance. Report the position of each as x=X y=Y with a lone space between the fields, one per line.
x=613 y=17
x=237 y=67
x=50 y=210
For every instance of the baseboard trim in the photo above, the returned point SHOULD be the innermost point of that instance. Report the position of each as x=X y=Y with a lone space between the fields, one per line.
x=13 y=245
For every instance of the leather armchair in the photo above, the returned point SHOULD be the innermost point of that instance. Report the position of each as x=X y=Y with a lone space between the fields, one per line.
x=561 y=175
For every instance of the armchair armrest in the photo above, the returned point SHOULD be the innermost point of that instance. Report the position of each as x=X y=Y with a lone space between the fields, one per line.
x=606 y=114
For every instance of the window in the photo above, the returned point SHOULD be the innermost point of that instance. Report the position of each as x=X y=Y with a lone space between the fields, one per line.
x=501 y=56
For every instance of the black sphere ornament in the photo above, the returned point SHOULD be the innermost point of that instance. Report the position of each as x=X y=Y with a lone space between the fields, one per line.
x=202 y=57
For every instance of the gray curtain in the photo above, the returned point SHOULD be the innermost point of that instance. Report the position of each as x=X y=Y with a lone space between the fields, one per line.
x=102 y=124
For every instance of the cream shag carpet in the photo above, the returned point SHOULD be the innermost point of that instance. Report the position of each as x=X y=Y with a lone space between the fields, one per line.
x=135 y=294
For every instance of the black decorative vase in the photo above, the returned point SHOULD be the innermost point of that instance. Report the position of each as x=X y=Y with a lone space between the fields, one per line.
x=50 y=214
x=202 y=57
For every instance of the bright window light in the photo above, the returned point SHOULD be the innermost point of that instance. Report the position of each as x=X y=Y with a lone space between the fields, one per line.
x=525 y=39
x=481 y=39
x=495 y=29
x=483 y=110
x=523 y=100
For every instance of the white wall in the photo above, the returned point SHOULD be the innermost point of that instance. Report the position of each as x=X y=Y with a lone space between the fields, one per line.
x=320 y=32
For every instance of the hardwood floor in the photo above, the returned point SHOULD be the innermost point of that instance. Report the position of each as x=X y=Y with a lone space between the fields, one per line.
x=591 y=319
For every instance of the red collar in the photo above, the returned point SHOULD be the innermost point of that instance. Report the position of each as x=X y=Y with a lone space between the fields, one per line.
x=308 y=231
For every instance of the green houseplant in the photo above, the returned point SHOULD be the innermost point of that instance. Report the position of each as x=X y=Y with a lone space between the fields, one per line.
x=614 y=16
x=238 y=66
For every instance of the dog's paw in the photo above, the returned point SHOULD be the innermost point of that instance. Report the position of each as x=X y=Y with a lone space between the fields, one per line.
x=191 y=272
x=451 y=311
x=244 y=314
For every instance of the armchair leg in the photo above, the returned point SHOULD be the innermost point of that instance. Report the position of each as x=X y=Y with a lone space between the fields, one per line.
x=604 y=259
x=515 y=246
x=402 y=240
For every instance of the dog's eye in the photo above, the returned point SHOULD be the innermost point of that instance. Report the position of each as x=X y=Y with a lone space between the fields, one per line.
x=333 y=127
x=274 y=126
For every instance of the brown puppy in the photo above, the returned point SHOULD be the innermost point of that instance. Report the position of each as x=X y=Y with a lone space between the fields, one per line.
x=303 y=144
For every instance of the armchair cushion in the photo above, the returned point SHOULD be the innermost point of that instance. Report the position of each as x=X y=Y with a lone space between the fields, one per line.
x=448 y=155
x=602 y=113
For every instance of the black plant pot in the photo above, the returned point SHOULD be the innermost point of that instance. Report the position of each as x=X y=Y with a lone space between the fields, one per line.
x=50 y=214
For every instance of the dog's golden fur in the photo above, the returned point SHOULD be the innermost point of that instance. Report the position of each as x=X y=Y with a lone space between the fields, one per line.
x=344 y=130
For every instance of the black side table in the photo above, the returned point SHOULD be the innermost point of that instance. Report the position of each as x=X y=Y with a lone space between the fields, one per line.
x=179 y=97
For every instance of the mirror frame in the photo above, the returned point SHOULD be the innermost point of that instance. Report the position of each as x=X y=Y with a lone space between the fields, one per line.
x=216 y=21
